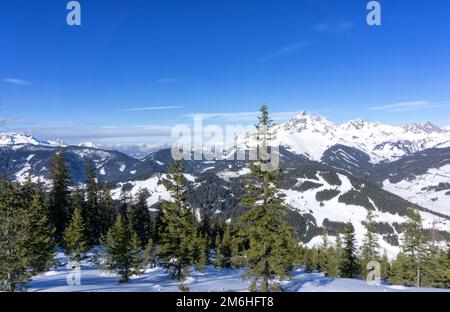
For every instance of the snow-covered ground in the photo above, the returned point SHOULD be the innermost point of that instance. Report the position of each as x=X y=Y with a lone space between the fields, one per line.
x=93 y=279
x=336 y=211
x=418 y=189
x=156 y=190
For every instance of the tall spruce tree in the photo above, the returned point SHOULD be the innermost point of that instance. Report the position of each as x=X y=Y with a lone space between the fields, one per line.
x=76 y=236
x=106 y=209
x=324 y=248
x=385 y=266
x=136 y=253
x=436 y=266
x=158 y=224
x=266 y=240
x=40 y=244
x=125 y=202
x=179 y=226
x=224 y=249
x=123 y=250
x=139 y=217
x=349 y=266
x=218 y=254
x=370 y=247
x=415 y=245
x=77 y=201
x=339 y=255
x=150 y=253
x=59 y=199
x=200 y=250
x=93 y=219
x=14 y=238
x=401 y=272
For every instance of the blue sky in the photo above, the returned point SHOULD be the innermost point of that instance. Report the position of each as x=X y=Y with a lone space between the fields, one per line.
x=135 y=68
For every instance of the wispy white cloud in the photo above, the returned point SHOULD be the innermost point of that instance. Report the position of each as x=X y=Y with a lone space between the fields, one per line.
x=333 y=27
x=150 y=108
x=287 y=49
x=167 y=80
x=16 y=81
x=410 y=106
x=241 y=116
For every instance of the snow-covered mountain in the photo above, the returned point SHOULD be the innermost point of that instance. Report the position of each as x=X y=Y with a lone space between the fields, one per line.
x=334 y=174
x=14 y=138
x=313 y=135
x=88 y=144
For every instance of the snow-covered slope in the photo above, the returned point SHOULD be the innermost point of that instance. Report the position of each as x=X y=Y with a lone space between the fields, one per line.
x=88 y=144
x=19 y=162
x=313 y=135
x=94 y=279
x=333 y=208
x=431 y=190
x=422 y=178
x=156 y=190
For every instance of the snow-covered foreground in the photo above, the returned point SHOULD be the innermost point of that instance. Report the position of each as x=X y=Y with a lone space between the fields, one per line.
x=93 y=279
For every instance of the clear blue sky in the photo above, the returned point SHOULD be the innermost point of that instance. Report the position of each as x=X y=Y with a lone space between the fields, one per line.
x=217 y=56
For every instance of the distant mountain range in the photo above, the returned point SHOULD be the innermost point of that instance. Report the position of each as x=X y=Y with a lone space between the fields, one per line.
x=313 y=136
x=333 y=174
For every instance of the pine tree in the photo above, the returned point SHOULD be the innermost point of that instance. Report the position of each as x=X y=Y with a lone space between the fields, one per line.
x=122 y=250
x=206 y=226
x=136 y=255
x=125 y=202
x=225 y=249
x=370 y=247
x=150 y=253
x=14 y=238
x=59 y=200
x=385 y=266
x=27 y=191
x=332 y=263
x=93 y=219
x=40 y=244
x=415 y=245
x=339 y=255
x=179 y=226
x=76 y=236
x=401 y=273
x=200 y=250
x=307 y=260
x=77 y=201
x=139 y=217
x=311 y=259
x=323 y=261
x=349 y=266
x=265 y=237
x=106 y=210
x=435 y=267
x=218 y=244
x=158 y=224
